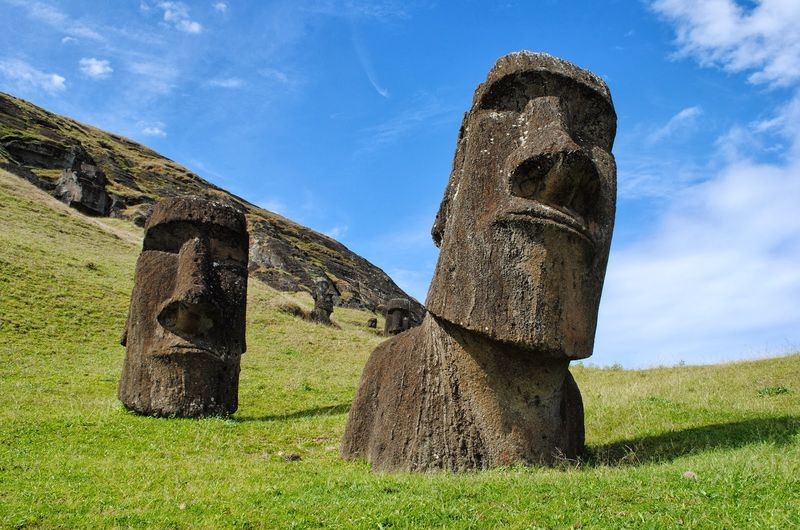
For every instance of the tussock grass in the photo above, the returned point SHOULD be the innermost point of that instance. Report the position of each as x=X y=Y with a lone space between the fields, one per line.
x=70 y=456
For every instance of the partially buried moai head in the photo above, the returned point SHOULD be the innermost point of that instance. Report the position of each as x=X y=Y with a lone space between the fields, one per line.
x=525 y=225
x=398 y=316
x=186 y=325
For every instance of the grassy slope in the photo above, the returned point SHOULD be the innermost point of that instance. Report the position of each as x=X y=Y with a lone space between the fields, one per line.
x=71 y=456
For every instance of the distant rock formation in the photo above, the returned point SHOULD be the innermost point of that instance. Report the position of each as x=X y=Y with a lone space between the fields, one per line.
x=524 y=230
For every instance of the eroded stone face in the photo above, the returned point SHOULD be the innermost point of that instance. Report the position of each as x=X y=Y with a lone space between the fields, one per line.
x=398 y=316
x=324 y=291
x=186 y=325
x=525 y=225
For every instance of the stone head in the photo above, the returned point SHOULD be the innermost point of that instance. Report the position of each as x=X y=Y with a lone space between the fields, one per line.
x=190 y=287
x=398 y=316
x=525 y=224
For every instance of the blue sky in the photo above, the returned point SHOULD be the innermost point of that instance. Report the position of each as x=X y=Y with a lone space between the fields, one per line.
x=343 y=116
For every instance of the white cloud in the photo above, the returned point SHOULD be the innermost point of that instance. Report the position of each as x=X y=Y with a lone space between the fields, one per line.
x=222 y=7
x=720 y=269
x=24 y=74
x=68 y=40
x=718 y=277
x=95 y=68
x=683 y=120
x=156 y=129
x=762 y=39
x=177 y=14
x=227 y=82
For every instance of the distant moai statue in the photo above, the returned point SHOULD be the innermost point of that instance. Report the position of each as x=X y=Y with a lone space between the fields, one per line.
x=185 y=332
x=372 y=323
x=83 y=185
x=524 y=230
x=398 y=316
x=324 y=291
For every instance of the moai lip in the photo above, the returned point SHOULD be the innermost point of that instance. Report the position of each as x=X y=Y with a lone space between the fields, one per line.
x=185 y=332
x=524 y=230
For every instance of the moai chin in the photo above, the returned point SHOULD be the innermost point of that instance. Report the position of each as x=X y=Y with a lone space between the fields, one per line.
x=398 y=316
x=185 y=332
x=524 y=230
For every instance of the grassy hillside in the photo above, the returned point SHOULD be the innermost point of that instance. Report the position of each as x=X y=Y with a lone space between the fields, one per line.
x=70 y=456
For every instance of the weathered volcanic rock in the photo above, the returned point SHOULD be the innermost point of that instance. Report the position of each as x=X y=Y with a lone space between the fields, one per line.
x=83 y=185
x=524 y=230
x=185 y=332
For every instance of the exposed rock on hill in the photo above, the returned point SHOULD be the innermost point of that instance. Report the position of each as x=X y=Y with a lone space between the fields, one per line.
x=104 y=174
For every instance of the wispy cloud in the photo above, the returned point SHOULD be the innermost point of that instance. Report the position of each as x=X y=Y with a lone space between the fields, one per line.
x=222 y=7
x=366 y=65
x=23 y=74
x=760 y=37
x=389 y=131
x=177 y=14
x=160 y=77
x=337 y=232
x=227 y=82
x=95 y=68
x=682 y=121
x=56 y=19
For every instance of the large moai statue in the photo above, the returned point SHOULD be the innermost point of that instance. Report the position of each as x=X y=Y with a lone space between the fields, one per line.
x=185 y=332
x=398 y=316
x=524 y=230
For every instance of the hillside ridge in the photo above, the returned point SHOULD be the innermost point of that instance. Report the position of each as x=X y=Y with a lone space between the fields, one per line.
x=105 y=174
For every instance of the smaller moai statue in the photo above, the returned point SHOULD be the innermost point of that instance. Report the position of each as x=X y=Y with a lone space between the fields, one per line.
x=372 y=323
x=324 y=291
x=83 y=185
x=185 y=332
x=398 y=316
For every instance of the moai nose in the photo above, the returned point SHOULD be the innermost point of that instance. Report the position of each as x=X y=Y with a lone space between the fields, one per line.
x=191 y=311
x=558 y=172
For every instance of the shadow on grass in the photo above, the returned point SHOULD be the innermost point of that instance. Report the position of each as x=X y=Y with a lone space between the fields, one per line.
x=671 y=445
x=329 y=410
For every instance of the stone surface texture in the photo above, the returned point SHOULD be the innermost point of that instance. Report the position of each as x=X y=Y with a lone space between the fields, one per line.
x=524 y=230
x=185 y=332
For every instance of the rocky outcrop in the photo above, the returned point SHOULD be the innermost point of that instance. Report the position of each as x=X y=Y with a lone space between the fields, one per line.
x=120 y=178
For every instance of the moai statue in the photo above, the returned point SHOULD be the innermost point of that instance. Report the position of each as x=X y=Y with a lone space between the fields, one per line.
x=398 y=316
x=83 y=185
x=185 y=332
x=524 y=230
x=324 y=291
x=372 y=323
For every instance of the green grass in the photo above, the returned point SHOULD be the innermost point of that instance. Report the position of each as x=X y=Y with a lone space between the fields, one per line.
x=70 y=456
